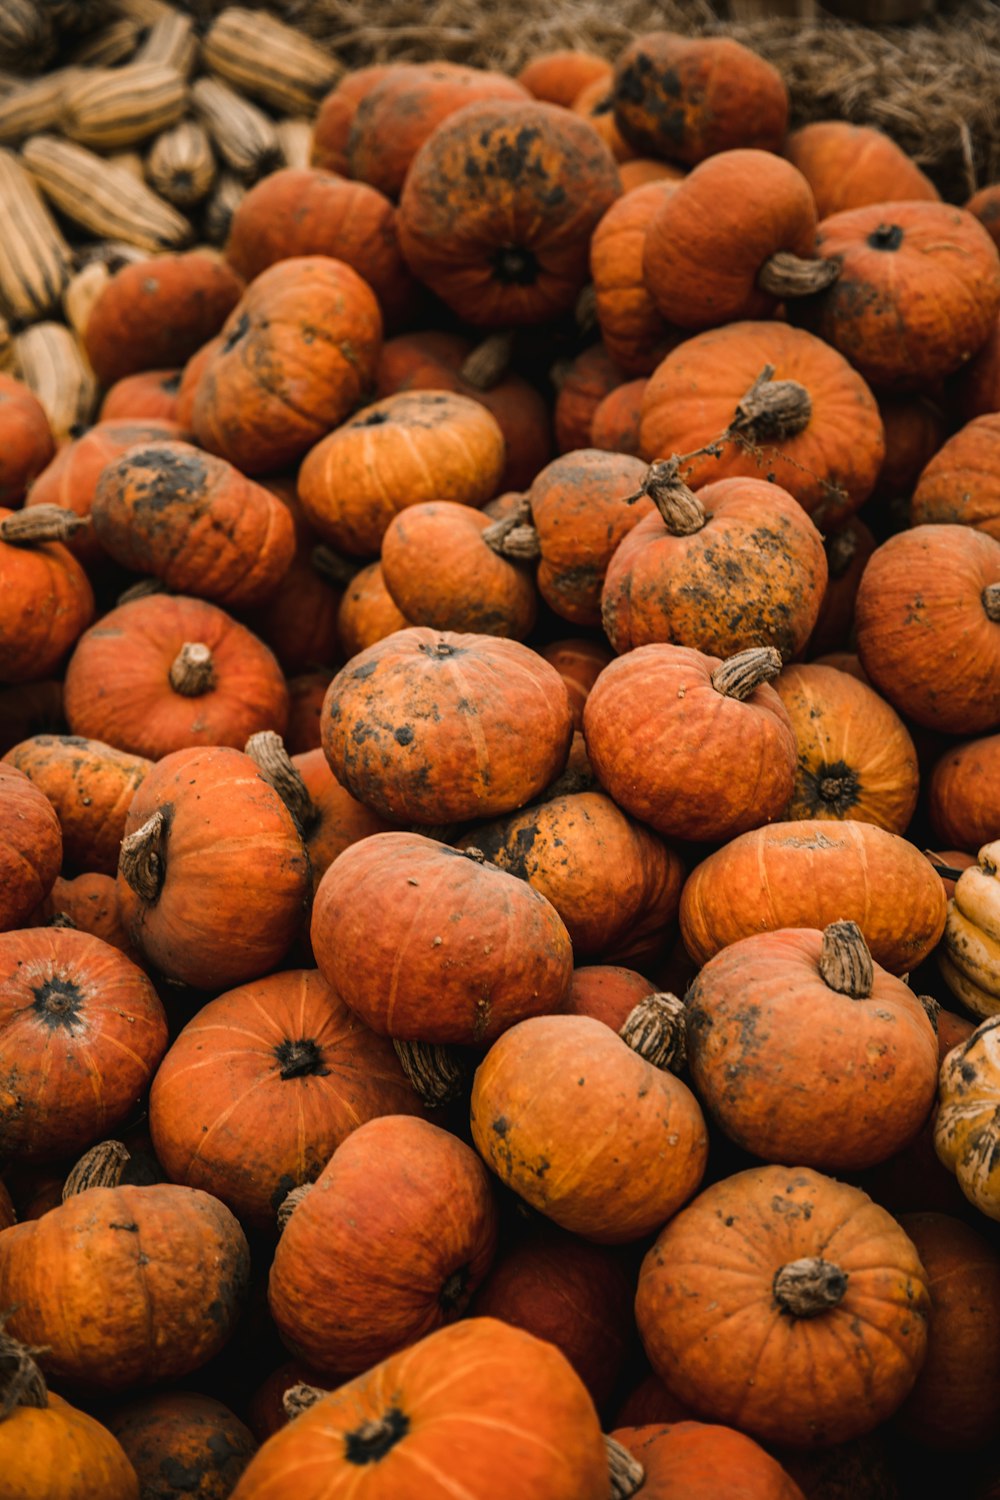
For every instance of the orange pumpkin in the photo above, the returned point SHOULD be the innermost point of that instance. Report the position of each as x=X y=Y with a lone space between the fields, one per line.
x=26 y=441
x=985 y=205
x=331 y=819
x=88 y=903
x=90 y=785
x=187 y=1437
x=31 y=847
x=47 y=600
x=305 y=707
x=558 y=77
x=640 y=170
x=332 y=127
x=914 y=431
x=579 y=664
x=635 y=333
x=976 y=387
x=965 y=794
x=615 y=426
x=136 y=398
x=367 y=613
x=582 y=387
x=847 y=548
x=961 y=484
x=701 y=1461
x=607 y=992
x=849 y=166
x=299 y=619
x=596 y=104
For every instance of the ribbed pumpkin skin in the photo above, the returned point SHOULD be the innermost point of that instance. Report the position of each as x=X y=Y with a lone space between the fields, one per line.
x=615 y=427
x=477 y=1404
x=238 y=1110
x=961 y=484
x=235 y=883
x=91 y=903
x=812 y=873
x=914 y=431
x=579 y=664
x=63 y=1454
x=388 y=1244
x=118 y=680
x=26 y=442
x=297 y=353
x=570 y=1149
x=965 y=794
x=150 y=395
x=498 y=207
x=46 y=602
x=31 y=847
x=924 y=636
x=634 y=331
x=702 y=1461
x=430 y=726
x=90 y=785
x=340 y=819
x=711 y=1324
x=332 y=126
x=849 y=166
x=408 y=932
x=182 y=1436
x=368 y=612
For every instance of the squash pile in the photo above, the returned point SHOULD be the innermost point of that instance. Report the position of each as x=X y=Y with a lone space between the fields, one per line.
x=500 y=796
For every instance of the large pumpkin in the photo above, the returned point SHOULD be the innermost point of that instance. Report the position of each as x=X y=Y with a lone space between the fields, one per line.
x=332 y=127
x=31 y=847
x=961 y=483
x=177 y=1436
x=849 y=166
x=965 y=794
x=46 y=600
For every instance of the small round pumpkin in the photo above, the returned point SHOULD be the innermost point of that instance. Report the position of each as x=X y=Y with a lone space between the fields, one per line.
x=607 y=992
x=558 y=77
x=596 y=104
x=849 y=166
x=582 y=386
x=965 y=794
x=961 y=484
x=367 y=612
x=701 y=1461
x=152 y=394
x=915 y=429
x=178 y=1436
x=299 y=619
x=31 y=847
x=47 y=600
x=90 y=785
x=88 y=903
x=26 y=440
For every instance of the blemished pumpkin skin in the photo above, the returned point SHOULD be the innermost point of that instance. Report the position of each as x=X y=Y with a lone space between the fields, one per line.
x=969 y=957
x=680 y=747
x=389 y=1244
x=961 y=484
x=740 y=564
x=559 y=77
x=154 y=314
x=432 y=726
x=367 y=613
x=477 y=1405
x=596 y=105
x=710 y=239
x=120 y=1309
x=633 y=330
x=150 y=395
x=965 y=794
x=850 y=166
x=298 y=352
x=702 y=1461
x=177 y=1435
x=263 y=1085
x=855 y=756
x=52 y=1449
x=847 y=549
x=88 y=903
x=336 y=820
x=965 y=1132
x=917 y=294
x=531 y=1114
x=719 y=1328
x=498 y=207
x=572 y=1294
x=615 y=427
x=607 y=992
x=830 y=464
x=194 y=521
x=332 y=125
x=754 y=1014
x=928 y=626
x=406 y=931
x=90 y=785
x=31 y=847
x=442 y=572
x=403 y=450
x=685 y=98
x=614 y=883
x=579 y=664
x=26 y=441
x=215 y=896
x=119 y=687
x=914 y=431
x=579 y=510
x=582 y=387
x=46 y=603
x=305 y=211
x=955 y=1404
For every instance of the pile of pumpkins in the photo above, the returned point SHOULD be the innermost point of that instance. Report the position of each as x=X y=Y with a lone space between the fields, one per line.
x=500 y=818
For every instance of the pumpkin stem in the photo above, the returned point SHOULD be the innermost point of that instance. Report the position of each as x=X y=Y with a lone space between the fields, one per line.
x=585 y=312
x=931 y=1009
x=290 y=1203
x=267 y=751
x=300 y=1059
x=845 y=965
x=656 y=1028
x=683 y=513
x=741 y=675
x=340 y=571
x=41 y=523
x=841 y=550
x=514 y=536
x=437 y=1073
x=476 y=855
x=102 y=1166
x=141 y=862
x=488 y=362
x=299 y=1398
x=193 y=671
x=772 y=410
x=805 y=1288
x=991 y=602
x=21 y=1381
x=787 y=275
x=625 y=1473
x=144 y=589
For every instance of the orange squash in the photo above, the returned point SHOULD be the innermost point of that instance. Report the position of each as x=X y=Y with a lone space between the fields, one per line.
x=965 y=794
x=701 y=1461
x=31 y=847
x=150 y=394
x=849 y=166
x=582 y=386
x=558 y=77
x=367 y=612
x=26 y=441
x=189 y=1437
x=90 y=785
x=961 y=484
x=46 y=601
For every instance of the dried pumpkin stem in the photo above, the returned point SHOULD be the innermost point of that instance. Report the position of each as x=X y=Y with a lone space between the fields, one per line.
x=682 y=512
x=841 y=550
x=932 y=1009
x=772 y=410
x=437 y=1073
x=626 y=1475
x=193 y=671
x=741 y=675
x=991 y=602
x=290 y=1203
x=487 y=364
x=144 y=589
x=142 y=860
x=102 y=1166
x=299 y=1398
x=845 y=964
x=515 y=536
x=656 y=1029
x=475 y=854
x=41 y=523
x=788 y=275
x=268 y=753
x=808 y=1287
x=336 y=569
x=21 y=1381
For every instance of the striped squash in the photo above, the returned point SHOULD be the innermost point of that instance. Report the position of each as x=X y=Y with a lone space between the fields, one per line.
x=181 y=164
x=35 y=261
x=110 y=108
x=101 y=198
x=81 y=294
x=172 y=42
x=112 y=45
x=268 y=60
x=53 y=365
x=229 y=193
x=244 y=136
x=27 y=35
x=33 y=107
x=295 y=137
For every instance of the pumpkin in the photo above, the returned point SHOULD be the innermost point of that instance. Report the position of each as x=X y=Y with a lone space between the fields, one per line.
x=429 y=726
x=405 y=930
x=914 y=431
x=928 y=626
x=154 y=314
x=965 y=1133
x=849 y=166
x=736 y=566
x=596 y=104
x=686 y=98
x=478 y=1406
x=299 y=619
x=88 y=903
x=700 y=1461
x=190 y=380
x=615 y=427
x=163 y=673
x=917 y=294
x=696 y=747
x=306 y=694
x=949 y=864
x=179 y=1436
x=297 y=353
x=367 y=613
x=626 y=1170
x=47 y=598
x=582 y=385
x=650 y=1402
x=400 y=1198
x=640 y=170
x=961 y=484
x=213 y=879
x=965 y=794
x=812 y=873
x=976 y=388
x=985 y=205
x=31 y=847
x=407 y=449
x=579 y=663
x=90 y=785
x=780 y=403
x=332 y=126
x=855 y=756
x=30 y=708
x=754 y=1015
x=558 y=77
x=26 y=441
x=814 y=1292
x=265 y=1411
x=969 y=957
x=152 y=394
x=607 y=992
x=848 y=548
x=498 y=207
x=194 y=521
